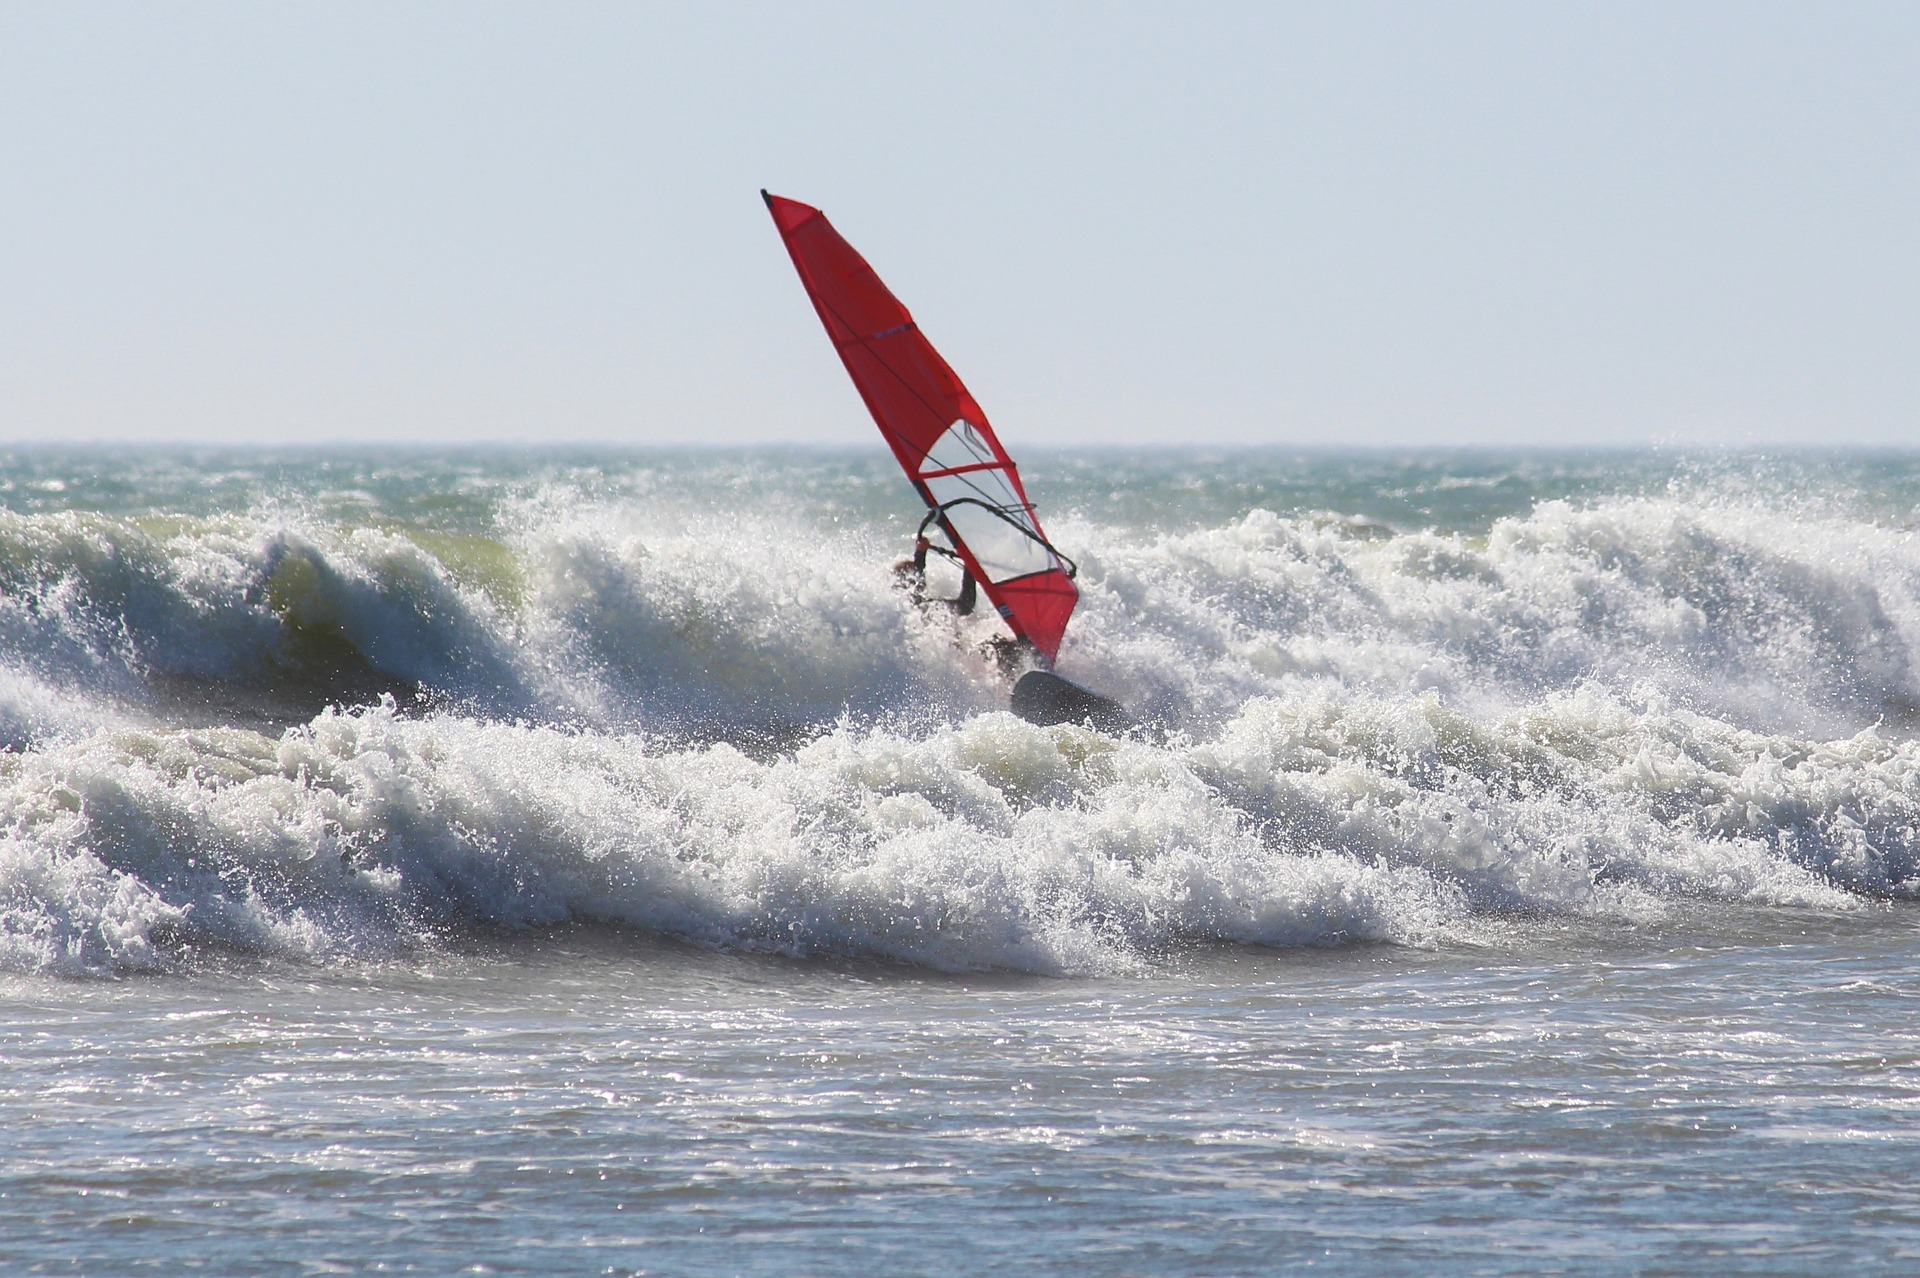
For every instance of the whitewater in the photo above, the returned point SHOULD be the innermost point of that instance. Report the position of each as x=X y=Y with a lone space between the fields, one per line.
x=1501 y=838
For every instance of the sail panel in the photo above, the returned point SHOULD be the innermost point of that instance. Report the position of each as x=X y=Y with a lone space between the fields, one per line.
x=933 y=425
x=963 y=477
x=1004 y=550
x=960 y=445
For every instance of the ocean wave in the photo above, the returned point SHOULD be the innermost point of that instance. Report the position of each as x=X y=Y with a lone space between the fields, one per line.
x=1778 y=622
x=271 y=732
x=630 y=617
x=987 y=844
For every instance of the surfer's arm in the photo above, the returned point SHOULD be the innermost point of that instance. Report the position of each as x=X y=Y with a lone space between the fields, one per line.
x=969 y=594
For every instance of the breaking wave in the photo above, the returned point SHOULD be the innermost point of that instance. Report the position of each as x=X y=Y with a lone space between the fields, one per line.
x=275 y=732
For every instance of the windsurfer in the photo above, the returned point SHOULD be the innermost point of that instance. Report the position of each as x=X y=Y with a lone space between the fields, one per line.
x=956 y=465
x=1008 y=653
x=912 y=575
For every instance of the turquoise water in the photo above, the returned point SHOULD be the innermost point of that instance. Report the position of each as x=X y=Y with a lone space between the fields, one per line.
x=588 y=862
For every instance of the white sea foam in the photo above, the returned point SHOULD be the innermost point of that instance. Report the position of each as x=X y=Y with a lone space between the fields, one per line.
x=1350 y=733
x=1807 y=624
x=990 y=843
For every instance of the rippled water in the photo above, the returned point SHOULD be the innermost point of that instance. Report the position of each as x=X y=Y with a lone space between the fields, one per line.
x=567 y=862
x=1734 y=1095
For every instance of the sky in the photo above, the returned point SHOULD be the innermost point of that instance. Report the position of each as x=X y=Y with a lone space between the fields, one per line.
x=1124 y=224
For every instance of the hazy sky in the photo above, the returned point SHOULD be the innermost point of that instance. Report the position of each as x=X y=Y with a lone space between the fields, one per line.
x=1304 y=224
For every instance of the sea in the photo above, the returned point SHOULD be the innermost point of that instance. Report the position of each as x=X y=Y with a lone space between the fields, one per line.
x=573 y=861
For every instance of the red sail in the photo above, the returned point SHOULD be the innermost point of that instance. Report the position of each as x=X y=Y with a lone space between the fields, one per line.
x=939 y=434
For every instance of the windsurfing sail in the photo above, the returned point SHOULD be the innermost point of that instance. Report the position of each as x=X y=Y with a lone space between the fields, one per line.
x=936 y=430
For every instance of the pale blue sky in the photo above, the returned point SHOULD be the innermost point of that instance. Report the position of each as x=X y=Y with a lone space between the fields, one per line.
x=1299 y=224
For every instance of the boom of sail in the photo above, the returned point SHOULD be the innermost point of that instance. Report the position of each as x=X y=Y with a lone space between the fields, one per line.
x=936 y=430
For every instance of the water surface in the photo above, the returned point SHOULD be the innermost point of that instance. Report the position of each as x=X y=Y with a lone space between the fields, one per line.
x=589 y=862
